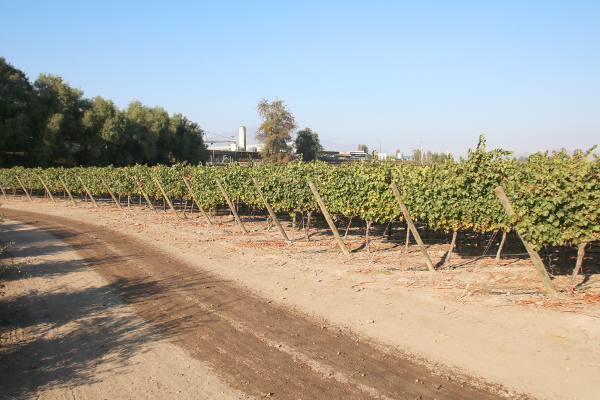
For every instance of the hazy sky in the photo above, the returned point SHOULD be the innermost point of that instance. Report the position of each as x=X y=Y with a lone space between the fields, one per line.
x=524 y=73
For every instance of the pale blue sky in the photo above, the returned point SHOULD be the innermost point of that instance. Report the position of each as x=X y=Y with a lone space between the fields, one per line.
x=524 y=73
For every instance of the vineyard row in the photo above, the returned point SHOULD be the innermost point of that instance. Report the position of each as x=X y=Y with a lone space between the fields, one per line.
x=555 y=196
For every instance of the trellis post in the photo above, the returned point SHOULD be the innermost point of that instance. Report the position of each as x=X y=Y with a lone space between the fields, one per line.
x=231 y=206
x=88 y=192
x=23 y=186
x=325 y=212
x=67 y=190
x=412 y=226
x=167 y=198
x=117 y=202
x=189 y=188
x=47 y=190
x=270 y=210
x=535 y=257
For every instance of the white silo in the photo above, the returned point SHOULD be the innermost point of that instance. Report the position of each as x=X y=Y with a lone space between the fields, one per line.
x=242 y=138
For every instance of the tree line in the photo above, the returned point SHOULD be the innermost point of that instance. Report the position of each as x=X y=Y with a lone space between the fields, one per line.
x=49 y=123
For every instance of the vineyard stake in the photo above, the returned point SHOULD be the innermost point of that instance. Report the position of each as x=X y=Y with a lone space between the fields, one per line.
x=139 y=183
x=535 y=257
x=270 y=210
x=88 y=192
x=452 y=245
x=166 y=198
x=231 y=206
x=328 y=218
x=412 y=226
x=368 y=229
x=196 y=201
x=499 y=253
x=47 y=190
x=348 y=227
x=67 y=190
x=23 y=186
x=308 y=219
x=117 y=202
x=579 y=263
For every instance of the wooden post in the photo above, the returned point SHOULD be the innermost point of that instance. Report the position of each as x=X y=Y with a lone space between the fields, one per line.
x=535 y=257
x=117 y=202
x=88 y=192
x=166 y=198
x=325 y=212
x=367 y=243
x=47 y=190
x=452 y=245
x=67 y=190
x=231 y=206
x=187 y=185
x=270 y=210
x=139 y=183
x=579 y=263
x=412 y=226
x=502 y=242
x=23 y=186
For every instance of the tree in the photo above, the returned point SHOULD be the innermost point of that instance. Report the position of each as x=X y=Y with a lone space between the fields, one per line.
x=106 y=137
x=276 y=130
x=417 y=156
x=16 y=99
x=308 y=144
x=363 y=147
x=49 y=122
x=439 y=158
x=60 y=109
x=189 y=142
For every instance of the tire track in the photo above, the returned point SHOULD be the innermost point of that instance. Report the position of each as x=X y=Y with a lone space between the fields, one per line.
x=256 y=346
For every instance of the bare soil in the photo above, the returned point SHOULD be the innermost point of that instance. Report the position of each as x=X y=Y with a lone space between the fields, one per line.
x=132 y=304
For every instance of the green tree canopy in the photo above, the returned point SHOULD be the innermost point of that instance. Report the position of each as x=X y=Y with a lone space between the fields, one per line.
x=276 y=130
x=308 y=144
x=51 y=123
x=16 y=101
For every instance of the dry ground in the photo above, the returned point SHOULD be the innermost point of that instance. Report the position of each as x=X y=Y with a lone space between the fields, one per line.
x=475 y=323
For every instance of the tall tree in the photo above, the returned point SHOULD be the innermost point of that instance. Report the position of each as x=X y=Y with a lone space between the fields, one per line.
x=439 y=158
x=417 y=156
x=363 y=147
x=308 y=144
x=16 y=100
x=60 y=108
x=276 y=130
x=141 y=128
x=105 y=141
x=189 y=143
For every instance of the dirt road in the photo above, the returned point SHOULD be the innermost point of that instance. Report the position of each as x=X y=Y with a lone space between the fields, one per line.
x=233 y=342
x=254 y=345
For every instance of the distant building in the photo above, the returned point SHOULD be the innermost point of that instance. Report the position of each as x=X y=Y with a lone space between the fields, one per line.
x=220 y=157
x=337 y=157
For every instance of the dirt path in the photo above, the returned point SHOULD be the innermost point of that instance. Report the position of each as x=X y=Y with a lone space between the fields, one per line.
x=67 y=334
x=271 y=347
